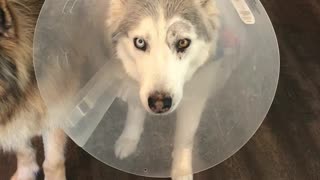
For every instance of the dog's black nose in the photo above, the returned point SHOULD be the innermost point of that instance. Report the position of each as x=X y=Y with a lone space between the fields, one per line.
x=159 y=102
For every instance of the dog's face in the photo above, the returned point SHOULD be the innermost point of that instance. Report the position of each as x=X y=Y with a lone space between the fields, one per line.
x=161 y=44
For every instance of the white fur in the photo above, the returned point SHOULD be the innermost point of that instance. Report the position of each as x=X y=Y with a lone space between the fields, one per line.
x=27 y=167
x=160 y=69
x=54 y=143
x=16 y=136
x=128 y=141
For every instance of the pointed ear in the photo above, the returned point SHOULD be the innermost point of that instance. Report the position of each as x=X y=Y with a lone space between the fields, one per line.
x=211 y=10
x=209 y=6
x=6 y=20
x=116 y=13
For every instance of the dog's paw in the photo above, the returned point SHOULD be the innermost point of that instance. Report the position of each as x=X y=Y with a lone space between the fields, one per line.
x=54 y=172
x=181 y=172
x=187 y=177
x=17 y=177
x=57 y=176
x=125 y=146
x=26 y=173
x=182 y=164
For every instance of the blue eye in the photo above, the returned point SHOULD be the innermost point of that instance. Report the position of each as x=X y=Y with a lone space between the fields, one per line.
x=140 y=44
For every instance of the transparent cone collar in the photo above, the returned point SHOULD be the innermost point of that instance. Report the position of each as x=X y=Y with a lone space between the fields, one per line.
x=222 y=106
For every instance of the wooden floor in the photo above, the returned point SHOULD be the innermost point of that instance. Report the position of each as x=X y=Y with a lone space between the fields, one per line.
x=287 y=146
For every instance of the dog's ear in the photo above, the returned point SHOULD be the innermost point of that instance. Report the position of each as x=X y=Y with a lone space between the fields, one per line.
x=206 y=3
x=211 y=10
x=116 y=12
x=6 y=20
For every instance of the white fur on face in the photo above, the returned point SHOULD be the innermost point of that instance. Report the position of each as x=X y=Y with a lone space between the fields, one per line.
x=161 y=68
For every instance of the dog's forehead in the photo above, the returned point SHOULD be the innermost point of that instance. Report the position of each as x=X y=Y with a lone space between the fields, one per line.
x=186 y=10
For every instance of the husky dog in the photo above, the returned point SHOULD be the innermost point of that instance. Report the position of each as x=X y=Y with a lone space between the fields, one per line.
x=23 y=113
x=166 y=46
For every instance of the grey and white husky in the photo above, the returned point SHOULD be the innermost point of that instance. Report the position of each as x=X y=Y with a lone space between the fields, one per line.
x=166 y=45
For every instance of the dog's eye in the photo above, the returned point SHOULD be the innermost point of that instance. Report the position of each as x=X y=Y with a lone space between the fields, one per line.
x=183 y=44
x=140 y=44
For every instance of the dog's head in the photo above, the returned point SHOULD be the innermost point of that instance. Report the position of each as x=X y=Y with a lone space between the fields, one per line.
x=161 y=44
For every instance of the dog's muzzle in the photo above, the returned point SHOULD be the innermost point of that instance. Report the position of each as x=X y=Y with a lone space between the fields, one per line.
x=160 y=102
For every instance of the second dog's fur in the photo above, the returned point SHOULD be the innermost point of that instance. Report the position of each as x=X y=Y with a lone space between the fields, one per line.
x=23 y=114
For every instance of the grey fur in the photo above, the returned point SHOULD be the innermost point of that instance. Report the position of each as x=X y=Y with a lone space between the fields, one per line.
x=175 y=31
x=186 y=9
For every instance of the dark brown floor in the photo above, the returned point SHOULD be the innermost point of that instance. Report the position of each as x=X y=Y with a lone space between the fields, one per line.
x=287 y=146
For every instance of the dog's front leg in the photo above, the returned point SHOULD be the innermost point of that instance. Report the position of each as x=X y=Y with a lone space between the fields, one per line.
x=188 y=118
x=129 y=139
x=54 y=145
x=27 y=167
